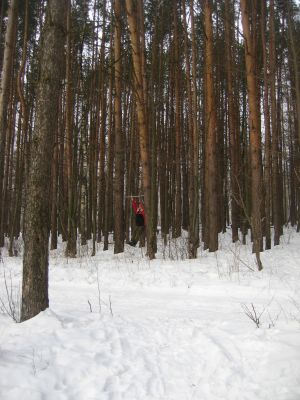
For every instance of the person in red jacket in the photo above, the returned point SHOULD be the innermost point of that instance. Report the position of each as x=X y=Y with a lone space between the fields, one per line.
x=140 y=223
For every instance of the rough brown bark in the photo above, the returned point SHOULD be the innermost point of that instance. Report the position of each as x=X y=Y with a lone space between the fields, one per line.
x=110 y=158
x=296 y=92
x=102 y=127
x=255 y=140
x=6 y=76
x=210 y=186
x=141 y=115
x=274 y=130
x=192 y=140
x=119 y=139
x=178 y=146
x=232 y=122
x=266 y=106
x=72 y=231
x=37 y=215
x=295 y=60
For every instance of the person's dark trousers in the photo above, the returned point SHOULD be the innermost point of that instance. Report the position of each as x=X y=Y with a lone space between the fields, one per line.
x=138 y=235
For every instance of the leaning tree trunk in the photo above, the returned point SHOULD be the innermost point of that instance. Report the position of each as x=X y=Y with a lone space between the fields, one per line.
x=37 y=212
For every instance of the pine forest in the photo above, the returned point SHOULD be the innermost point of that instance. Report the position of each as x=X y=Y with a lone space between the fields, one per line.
x=190 y=106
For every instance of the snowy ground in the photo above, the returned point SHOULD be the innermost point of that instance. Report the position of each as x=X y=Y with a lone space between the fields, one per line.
x=120 y=327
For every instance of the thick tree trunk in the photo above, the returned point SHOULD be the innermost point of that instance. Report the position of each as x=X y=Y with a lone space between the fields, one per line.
x=141 y=116
x=37 y=213
x=255 y=140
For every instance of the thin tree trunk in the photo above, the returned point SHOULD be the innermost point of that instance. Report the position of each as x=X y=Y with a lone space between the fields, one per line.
x=1 y=32
x=232 y=122
x=266 y=107
x=178 y=147
x=296 y=80
x=119 y=140
x=72 y=234
x=6 y=76
x=7 y=183
x=193 y=149
x=103 y=117
x=110 y=157
x=211 y=204
x=194 y=212
x=54 y=197
x=22 y=135
x=295 y=60
x=274 y=124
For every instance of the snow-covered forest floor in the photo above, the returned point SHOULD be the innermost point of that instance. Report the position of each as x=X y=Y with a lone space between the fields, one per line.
x=121 y=327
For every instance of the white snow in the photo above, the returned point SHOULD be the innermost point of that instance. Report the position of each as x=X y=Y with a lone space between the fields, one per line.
x=121 y=327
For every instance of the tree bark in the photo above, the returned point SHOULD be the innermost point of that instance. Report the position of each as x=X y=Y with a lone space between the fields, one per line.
x=266 y=106
x=141 y=116
x=255 y=140
x=6 y=76
x=37 y=213
x=119 y=140
x=275 y=127
x=108 y=216
x=178 y=146
x=102 y=126
x=295 y=60
x=72 y=226
x=210 y=186
x=232 y=122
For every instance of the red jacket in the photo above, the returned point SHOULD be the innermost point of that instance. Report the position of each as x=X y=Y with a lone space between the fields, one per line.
x=138 y=208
